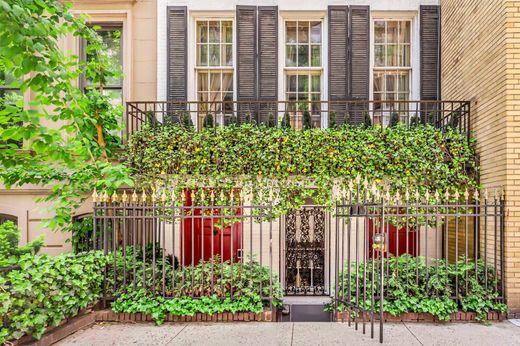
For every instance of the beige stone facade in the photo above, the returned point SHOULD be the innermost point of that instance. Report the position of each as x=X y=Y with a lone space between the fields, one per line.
x=138 y=21
x=481 y=63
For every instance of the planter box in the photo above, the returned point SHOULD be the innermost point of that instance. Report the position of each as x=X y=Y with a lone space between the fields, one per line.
x=422 y=317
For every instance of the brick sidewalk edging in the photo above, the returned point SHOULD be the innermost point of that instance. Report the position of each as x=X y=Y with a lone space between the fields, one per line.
x=110 y=316
x=425 y=317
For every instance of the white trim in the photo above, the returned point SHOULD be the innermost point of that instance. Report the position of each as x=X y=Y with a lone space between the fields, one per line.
x=125 y=18
x=413 y=17
x=287 y=16
x=193 y=17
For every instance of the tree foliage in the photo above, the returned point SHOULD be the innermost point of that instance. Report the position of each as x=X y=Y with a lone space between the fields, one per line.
x=69 y=136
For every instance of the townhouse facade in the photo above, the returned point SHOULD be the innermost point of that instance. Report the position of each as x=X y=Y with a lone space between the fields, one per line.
x=232 y=53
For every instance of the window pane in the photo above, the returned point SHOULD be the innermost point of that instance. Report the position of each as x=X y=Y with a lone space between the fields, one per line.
x=404 y=32
x=214 y=32
x=404 y=55
x=391 y=55
x=115 y=96
x=227 y=32
x=291 y=97
x=202 y=81
x=378 y=83
x=202 y=54
x=227 y=55
x=290 y=59
x=112 y=41
x=291 y=83
x=291 y=32
x=379 y=55
x=316 y=84
x=303 y=32
x=315 y=56
x=379 y=31
x=390 y=83
x=404 y=82
x=316 y=32
x=391 y=31
x=214 y=55
x=214 y=81
x=303 y=83
x=303 y=56
x=202 y=32
x=227 y=81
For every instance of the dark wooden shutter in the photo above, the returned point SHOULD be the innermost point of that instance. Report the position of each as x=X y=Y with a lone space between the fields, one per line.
x=246 y=61
x=338 y=61
x=429 y=37
x=267 y=60
x=177 y=56
x=360 y=61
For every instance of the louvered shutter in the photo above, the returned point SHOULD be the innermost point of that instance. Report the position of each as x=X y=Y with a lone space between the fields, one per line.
x=429 y=42
x=267 y=60
x=246 y=61
x=177 y=56
x=338 y=61
x=359 y=62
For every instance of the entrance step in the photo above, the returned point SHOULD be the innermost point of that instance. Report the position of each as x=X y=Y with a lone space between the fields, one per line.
x=305 y=309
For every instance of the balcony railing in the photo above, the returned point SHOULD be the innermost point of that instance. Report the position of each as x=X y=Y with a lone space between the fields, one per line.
x=441 y=114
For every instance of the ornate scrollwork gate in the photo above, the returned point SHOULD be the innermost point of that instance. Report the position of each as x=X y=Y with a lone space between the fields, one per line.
x=305 y=252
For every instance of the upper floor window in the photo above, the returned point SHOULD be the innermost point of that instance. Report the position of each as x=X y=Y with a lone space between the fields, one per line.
x=303 y=70
x=111 y=35
x=214 y=69
x=392 y=66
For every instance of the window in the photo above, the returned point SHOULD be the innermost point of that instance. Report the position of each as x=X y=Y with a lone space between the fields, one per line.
x=6 y=217
x=214 y=68
x=392 y=67
x=303 y=70
x=10 y=94
x=111 y=35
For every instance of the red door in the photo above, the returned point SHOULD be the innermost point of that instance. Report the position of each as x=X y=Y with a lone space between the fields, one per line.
x=398 y=241
x=209 y=236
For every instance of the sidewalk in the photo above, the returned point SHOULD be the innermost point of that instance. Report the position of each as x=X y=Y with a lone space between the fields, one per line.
x=262 y=333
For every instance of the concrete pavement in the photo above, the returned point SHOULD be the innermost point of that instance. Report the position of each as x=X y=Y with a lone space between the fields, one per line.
x=302 y=333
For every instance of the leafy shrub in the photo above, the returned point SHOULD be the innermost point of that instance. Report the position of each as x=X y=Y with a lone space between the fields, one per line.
x=270 y=120
x=286 y=121
x=421 y=158
x=46 y=290
x=212 y=286
x=332 y=120
x=413 y=286
x=139 y=301
x=10 y=251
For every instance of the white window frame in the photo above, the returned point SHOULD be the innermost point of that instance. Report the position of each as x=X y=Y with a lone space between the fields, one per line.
x=413 y=17
x=192 y=83
x=312 y=70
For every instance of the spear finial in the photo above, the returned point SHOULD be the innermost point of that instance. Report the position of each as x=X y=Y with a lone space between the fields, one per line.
x=94 y=196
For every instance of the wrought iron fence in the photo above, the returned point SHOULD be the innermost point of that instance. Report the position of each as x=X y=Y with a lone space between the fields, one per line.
x=445 y=246
x=442 y=114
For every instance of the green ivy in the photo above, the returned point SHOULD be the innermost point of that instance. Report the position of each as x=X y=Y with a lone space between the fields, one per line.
x=412 y=285
x=140 y=301
x=10 y=251
x=46 y=290
x=291 y=166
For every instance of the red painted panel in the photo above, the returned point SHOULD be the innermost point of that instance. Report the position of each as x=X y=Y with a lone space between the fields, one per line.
x=399 y=241
x=203 y=238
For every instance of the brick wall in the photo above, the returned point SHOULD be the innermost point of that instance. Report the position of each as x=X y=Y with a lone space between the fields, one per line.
x=481 y=63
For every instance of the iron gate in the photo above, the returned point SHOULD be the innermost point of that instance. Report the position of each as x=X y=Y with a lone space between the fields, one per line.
x=305 y=251
x=359 y=264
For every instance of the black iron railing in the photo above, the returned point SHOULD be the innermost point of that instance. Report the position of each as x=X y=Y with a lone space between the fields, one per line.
x=442 y=114
x=172 y=247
